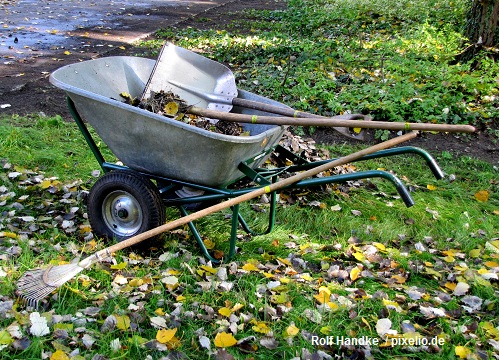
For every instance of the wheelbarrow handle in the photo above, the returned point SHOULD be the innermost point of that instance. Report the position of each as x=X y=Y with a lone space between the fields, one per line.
x=361 y=121
x=245 y=197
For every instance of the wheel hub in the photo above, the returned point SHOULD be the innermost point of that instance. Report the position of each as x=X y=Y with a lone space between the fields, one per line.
x=122 y=213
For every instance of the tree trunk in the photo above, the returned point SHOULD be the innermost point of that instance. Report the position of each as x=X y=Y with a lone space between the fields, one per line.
x=481 y=26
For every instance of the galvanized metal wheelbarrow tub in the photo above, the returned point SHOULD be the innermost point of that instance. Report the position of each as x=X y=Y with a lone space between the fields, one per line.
x=163 y=157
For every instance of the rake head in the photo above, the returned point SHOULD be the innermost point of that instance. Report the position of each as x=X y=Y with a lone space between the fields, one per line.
x=37 y=284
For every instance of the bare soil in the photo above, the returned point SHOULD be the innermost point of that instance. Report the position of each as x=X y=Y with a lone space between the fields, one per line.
x=25 y=86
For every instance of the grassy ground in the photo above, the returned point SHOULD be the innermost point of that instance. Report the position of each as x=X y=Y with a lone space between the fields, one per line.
x=348 y=261
x=362 y=253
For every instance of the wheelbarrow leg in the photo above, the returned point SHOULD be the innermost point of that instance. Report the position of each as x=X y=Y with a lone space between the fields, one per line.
x=233 y=235
x=197 y=236
x=271 y=222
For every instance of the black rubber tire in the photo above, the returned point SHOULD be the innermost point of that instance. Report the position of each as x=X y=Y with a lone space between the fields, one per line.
x=123 y=203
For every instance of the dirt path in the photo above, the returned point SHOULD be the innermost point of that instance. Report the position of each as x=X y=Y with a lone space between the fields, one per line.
x=37 y=37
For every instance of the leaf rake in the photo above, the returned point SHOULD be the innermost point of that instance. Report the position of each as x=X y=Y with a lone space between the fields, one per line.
x=37 y=284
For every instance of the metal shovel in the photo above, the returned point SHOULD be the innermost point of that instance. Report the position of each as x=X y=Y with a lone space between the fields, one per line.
x=208 y=84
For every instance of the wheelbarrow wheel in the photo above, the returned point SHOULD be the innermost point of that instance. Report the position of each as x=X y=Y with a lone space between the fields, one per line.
x=122 y=204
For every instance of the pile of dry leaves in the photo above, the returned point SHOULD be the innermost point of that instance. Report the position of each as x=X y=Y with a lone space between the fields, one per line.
x=171 y=105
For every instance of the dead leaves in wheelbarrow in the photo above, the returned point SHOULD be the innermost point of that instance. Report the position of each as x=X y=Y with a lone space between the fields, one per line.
x=168 y=104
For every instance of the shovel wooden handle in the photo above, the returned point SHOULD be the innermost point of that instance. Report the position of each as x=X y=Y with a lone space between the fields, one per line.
x=335 y=121
x=245 y=197
x=285 y=111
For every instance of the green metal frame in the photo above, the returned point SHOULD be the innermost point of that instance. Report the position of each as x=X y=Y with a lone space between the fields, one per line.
x=260 y=177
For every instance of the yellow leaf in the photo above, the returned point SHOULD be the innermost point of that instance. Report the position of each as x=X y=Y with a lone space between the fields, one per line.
x=285 y=261
x=136 y=282
x=495 y=212
x=292 y=330
x=431 y=187
x=462 y=352
x=122 y=322
x=67 y=52
x=380 y=246
x=223 y=340
x=307 y=277
x=491 y=264
x=209 y=244
x=475 y=253
x=332 y=305
x=322 y=296
x=181 y=298
x=450 y=285
x=5 y=338
x=209 y=269
x=119 y=266
x=59 y=355
x=237 y=307
x=281 y=298
x=399 y=279
x=225 y=311
x=8 y=234
x=171 y=108
x=45 y=184
x=326 y=330
x=359 y=256
x=250 y=267
x=165 y=335
x=159 y=311
x=482 y=196
x=354 y=273
x=63 y=326
x=261 y=327
x=357 y=130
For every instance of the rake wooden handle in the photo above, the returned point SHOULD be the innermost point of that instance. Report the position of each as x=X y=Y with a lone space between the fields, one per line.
x=245 y=197
x=335 y=121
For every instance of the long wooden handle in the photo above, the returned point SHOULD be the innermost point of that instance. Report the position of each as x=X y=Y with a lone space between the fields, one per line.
x=335 y=121
x=285 y=111
x=248 y=196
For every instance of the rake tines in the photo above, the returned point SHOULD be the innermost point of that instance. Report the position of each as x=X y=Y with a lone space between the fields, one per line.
x=37 y=284
x=31 y=287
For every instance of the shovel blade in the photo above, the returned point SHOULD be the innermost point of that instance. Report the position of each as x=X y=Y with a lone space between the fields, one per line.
x=176 y=65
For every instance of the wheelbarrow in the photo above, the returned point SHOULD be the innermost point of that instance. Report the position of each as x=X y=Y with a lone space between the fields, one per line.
x=159 y=156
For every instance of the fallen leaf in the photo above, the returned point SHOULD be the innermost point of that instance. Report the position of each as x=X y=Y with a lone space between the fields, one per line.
x=119 y=266
x=38 y=325
x=165 y=335
x=225 y=311
x=384 y=327
x=292 y=330
x=354 y=273
x=250 y=267
x=59 y=355
x=122 y=322
x=261 y=327
x=482 y=196
x=5 y=338
x=223 y=340
x=461 y=289
x=336 y=207
x=462 y=352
